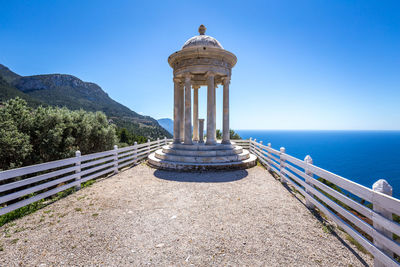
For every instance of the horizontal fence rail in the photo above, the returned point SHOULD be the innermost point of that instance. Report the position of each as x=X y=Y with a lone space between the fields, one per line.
x=365 y=214
x=242 y=143
x=23 y=186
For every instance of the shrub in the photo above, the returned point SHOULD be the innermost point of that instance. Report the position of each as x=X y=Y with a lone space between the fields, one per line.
x=232 y=135
x=30 y=136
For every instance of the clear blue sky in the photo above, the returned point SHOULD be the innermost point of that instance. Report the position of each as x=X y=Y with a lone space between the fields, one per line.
x=301 y=64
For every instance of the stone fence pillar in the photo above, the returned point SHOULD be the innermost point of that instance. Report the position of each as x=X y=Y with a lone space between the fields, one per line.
x=382 y=186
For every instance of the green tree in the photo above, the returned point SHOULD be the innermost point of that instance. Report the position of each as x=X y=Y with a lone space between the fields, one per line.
x=15 y=146
x=30 y=136
x=219 y=134
x=233 y=135
x=126 y=137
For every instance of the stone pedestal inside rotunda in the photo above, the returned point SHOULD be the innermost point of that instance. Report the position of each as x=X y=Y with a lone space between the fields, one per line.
x=202 y=61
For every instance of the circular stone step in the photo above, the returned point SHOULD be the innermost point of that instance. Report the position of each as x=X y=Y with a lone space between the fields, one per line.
x=211 y=153
x=203 y=146
x=201 y=159
x=184 y=166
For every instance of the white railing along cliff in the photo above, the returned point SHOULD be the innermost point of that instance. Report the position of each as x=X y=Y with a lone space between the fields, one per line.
x=32 y=183
x=23 y=186
x=344 y=210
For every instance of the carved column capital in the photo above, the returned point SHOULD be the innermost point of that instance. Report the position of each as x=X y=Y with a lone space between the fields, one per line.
x=188 y=76
x=177 y=80
x=226 y=80
x=210 y=74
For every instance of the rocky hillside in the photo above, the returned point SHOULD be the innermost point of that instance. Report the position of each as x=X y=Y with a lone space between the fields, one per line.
x=167 y=124
x=69 y=91
x=8 y=91
x=7 y=74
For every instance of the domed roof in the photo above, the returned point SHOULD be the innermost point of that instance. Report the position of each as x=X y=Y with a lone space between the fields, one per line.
x=202 y=40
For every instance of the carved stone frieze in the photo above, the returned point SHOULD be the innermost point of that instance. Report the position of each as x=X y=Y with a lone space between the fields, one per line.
x=200 y=61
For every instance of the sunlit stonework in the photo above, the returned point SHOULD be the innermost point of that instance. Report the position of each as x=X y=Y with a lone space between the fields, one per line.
x=201 y=62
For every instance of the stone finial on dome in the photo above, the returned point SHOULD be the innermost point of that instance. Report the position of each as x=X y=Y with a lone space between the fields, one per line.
x=202 y=40
x=202 y=29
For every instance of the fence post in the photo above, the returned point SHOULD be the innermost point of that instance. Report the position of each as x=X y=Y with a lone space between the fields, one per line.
x=267 y=159
x=382 y=186
x=165 y=140
x=308 y=160
x=148 y=147
x=282 y=164
x=78 y=169
x=250 y=144
x=261 y=151
x=115 y=159
x=135 y=153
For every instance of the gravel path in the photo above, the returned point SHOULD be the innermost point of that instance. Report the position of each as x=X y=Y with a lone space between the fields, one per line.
x=147 y=217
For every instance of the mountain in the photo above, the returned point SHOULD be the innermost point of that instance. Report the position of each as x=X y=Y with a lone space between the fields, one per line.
x=167 y=124
x=69 y=91
x=8 y=91
x=7 y=74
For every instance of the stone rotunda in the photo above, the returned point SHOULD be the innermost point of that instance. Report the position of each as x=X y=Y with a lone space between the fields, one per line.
x=202 y=61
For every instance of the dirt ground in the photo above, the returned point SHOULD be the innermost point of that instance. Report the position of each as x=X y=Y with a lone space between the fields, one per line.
x=147 y=217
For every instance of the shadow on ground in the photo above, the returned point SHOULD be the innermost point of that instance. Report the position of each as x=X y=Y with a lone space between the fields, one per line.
x=201 y=177
x=329 y=228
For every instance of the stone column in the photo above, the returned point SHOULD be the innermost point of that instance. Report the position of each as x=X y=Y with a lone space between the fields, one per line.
x=177 y=118
x=201 y=131
x=225 y=113
x=215 y=108
x=188 y=110
x=181 y=112
x=211 y=138
x=196 y=113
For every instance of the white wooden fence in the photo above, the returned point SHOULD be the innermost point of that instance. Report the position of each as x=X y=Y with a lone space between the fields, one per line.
x=302 y=175
x=23 y=186
x=243 y=143
x=32 y=183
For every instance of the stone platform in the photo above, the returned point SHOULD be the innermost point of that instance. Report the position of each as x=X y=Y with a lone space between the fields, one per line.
x=200 y=157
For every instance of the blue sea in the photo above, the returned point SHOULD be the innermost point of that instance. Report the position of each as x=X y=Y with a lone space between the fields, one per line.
x=360 y=156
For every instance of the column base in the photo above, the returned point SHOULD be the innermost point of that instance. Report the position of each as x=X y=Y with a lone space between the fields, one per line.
x=226 y=142
x=201 y=158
